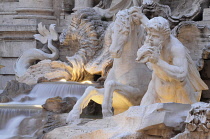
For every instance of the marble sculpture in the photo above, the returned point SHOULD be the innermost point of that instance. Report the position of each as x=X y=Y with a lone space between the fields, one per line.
x=127 y=81
x=175 y=77
x=32 y=55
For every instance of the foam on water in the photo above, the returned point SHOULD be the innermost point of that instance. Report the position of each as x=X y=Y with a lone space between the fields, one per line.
x=43 y=91
x=10 y=130
x=11 y=114
x=8 y=111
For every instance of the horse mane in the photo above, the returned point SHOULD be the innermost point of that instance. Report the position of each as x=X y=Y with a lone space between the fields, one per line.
x=124 y=20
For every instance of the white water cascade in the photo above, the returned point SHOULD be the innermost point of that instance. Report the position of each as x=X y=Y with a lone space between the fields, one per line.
x=13 y=113
x=43 y=91
x=10 y=129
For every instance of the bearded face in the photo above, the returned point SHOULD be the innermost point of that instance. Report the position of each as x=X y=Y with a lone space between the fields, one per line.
x=152 y=47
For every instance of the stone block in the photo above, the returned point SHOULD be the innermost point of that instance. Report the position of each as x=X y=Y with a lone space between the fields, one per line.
x=4 y=79
x=14 y=48
x=33 y=22
x=164 y=116
x=8 y=63
x=8 y=6
x=18 y=28
x=6 y=19
x=206 y=14
x=25 y=21
x=36 y=3
x=160 y=120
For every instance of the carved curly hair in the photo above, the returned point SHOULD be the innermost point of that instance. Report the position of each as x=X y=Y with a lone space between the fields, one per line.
x=159 y=24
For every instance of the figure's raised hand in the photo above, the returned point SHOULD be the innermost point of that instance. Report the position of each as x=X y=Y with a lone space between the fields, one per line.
x=144 y=53
x=137 y=15
x=154 y=57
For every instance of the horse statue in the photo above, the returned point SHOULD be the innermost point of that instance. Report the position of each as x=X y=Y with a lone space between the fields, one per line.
x=127 y=81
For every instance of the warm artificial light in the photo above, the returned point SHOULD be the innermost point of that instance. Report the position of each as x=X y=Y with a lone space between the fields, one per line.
x=87 y=82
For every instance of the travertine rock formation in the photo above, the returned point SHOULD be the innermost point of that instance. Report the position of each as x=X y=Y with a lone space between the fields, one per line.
x=195 y=37
x=86 y=33
x=59 y=105
x=197 y=123
x=14 y=89
x=46 y=70
x=199 y=118
x=154 y=121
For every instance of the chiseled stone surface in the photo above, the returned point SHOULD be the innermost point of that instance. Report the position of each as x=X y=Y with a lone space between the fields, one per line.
x=127 y=80
x=59 y=105
x=46 y=70
x=197 y=122
x=175 y=77
x=162 y=119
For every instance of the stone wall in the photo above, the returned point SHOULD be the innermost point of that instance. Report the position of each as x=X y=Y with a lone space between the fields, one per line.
x=18 y=24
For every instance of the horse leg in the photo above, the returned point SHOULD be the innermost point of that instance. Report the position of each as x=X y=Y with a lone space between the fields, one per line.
x=110 y=87
x=81 y=103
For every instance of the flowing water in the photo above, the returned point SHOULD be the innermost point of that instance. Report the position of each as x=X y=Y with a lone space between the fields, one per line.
x=10 y=129
x=13 y=113
x=43 y=91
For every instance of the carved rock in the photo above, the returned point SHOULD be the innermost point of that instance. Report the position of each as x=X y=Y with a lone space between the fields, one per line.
x=32 y=126
x=92 y=109
x=46 y=70
x=199 y=118
x=197 y=122
x=14 y=89
x=196 y=38
x=26 y=98
x=5 y=99
x=174 y=11
x=32 y=55
x=59 y=105
x=86 y=34
x=53 y=121
x=162 y=119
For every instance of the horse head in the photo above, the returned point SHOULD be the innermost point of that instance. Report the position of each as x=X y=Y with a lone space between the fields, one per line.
x=121 y=29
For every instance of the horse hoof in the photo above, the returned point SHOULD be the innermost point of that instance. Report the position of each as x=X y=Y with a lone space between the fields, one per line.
x=72 y=117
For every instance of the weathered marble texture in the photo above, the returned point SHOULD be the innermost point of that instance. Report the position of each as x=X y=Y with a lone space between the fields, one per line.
x=46 y=70
x=160 y=120
x=127 y=81
x=175 y=77
x=197 y=122
x=32 y=55
x=198 y=118
x=87 y=34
